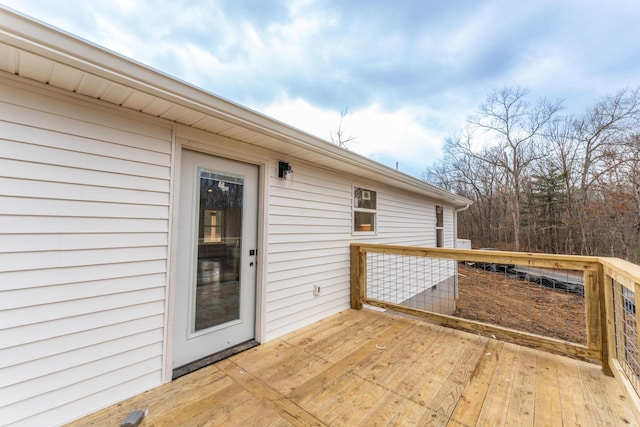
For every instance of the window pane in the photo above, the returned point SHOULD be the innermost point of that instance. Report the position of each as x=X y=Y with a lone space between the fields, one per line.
x=439 y=216
x=212 y=226
x=364 y=199
x=364 y=221
x=217 y=295
x=440 y=238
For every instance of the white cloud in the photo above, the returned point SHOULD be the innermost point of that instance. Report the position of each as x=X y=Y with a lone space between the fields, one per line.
x=301 y=114
x=396 y=133
x=388 y=136
x=411 y=72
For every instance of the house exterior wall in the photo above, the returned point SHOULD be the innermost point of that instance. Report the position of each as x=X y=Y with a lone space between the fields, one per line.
x=310 y=229
x=84 y=220
x=424 y=283
x=86 y=196
x=308 y=244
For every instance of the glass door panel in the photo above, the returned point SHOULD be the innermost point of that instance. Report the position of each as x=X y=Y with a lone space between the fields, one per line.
x=217 y=299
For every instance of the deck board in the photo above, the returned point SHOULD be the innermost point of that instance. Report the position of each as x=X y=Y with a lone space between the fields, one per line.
x=522 y=401
x=496 y=403
x=370 y=368
x=469 y=407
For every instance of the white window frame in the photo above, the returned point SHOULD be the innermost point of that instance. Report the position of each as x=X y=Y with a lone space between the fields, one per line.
x=355 y=209
x=439 y=228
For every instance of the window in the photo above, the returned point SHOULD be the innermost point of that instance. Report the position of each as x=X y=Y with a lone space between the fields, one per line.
x=439 y=226
x=212 y=226
x=364 y=209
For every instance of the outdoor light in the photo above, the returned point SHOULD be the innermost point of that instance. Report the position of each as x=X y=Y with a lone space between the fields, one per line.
x=285 y=172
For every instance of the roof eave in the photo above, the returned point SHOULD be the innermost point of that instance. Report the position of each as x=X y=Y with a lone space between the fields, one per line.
x=53 y=44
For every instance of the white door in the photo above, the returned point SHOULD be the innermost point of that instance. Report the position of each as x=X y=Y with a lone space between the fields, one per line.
x=216 y=273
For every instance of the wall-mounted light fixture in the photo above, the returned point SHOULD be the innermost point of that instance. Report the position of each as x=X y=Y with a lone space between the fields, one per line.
x=285 y=172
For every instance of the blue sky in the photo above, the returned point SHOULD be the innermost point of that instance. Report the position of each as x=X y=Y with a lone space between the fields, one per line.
x=410 y=72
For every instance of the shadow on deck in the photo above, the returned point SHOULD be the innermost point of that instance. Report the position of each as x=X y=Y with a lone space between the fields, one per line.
x=371 y=368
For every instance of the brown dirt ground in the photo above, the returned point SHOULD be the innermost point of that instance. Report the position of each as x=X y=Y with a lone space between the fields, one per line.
x=518 y=304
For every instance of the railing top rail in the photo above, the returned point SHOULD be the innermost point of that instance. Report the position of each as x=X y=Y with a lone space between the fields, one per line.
x=574 y=262
x=623 y=271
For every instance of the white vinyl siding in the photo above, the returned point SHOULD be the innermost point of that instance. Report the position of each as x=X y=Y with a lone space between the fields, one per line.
x=404 y=219
x=84 y=220
x=308 y=243
x=309 y=232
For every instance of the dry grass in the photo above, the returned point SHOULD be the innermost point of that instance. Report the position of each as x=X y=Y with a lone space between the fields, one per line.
x=498 y=299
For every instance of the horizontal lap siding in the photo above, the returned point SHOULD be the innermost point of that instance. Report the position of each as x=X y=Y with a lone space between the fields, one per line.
x=308 y=244
x=84 y=220
x=310 y=229
x=405 y=219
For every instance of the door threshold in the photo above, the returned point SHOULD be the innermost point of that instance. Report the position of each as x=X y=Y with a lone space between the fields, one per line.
x=213 y=358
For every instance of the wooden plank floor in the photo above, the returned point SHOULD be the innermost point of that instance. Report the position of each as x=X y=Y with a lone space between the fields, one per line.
x=378 y=369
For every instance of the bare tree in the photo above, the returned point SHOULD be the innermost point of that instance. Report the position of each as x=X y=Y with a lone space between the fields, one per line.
x=597 y=133
x=564 y=156
x=338 y=137
x=515 y=129
x=471 y=177
x=541 y=181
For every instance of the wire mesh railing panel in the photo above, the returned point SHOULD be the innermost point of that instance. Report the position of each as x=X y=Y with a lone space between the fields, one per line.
x=543 y=301
x=418 y=282
x=626 y=332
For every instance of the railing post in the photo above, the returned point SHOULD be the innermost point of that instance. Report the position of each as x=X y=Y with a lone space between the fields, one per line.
x=609 y=323
x=636 y=314
x=592 y=301
x=358 y=276
x=605 y=320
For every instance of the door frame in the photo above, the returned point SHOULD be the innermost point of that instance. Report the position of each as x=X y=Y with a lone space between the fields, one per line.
x=219 y=146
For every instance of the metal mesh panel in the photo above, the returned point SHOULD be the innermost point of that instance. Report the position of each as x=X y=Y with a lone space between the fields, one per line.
x=626 y=332
x=543 y=301
x=418 y=282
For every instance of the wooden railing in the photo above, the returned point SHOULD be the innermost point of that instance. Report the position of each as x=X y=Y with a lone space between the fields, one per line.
x=611 y=296
x=621 y=297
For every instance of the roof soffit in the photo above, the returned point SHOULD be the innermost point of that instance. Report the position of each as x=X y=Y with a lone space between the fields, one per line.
x=39 y=52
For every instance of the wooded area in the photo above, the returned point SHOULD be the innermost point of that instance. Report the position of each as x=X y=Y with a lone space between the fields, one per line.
x=543 y=181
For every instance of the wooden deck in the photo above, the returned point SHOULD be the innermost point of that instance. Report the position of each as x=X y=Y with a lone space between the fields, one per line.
x=370 y=368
